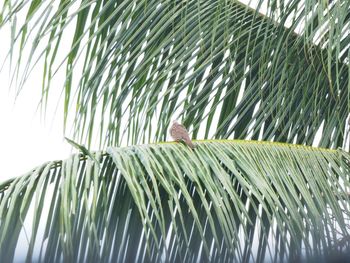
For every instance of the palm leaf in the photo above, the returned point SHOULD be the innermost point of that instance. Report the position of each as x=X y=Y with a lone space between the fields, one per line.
x=226 y=70
x=225 y=201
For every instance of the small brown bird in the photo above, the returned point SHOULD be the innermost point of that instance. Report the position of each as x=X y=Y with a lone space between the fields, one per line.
x=179 y=133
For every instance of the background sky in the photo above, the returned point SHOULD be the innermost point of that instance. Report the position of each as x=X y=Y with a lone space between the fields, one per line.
x=26 y=139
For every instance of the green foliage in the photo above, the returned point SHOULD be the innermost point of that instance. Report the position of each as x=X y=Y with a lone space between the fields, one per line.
x=224 y=201
x=226 y=71
x=159 y=60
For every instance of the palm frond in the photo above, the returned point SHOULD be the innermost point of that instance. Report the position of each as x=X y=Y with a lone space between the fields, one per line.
x=226 y=70
x=224 y=201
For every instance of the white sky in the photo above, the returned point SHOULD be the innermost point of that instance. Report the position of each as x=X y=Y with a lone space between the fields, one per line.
x=25 y=140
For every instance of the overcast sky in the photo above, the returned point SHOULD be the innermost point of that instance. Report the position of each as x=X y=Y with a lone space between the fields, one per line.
x=26 y=141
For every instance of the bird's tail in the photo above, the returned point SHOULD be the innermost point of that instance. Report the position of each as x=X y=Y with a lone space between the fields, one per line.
x=190 y=144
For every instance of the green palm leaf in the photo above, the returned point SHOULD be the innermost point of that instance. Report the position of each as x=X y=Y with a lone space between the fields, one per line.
x=224 y=69
x=223 y=201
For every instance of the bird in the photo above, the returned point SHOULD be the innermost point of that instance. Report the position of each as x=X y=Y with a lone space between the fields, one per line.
x=179 y=133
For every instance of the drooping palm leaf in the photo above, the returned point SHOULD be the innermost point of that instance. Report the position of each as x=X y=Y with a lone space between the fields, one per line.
x=157 y=60
x=225 y=201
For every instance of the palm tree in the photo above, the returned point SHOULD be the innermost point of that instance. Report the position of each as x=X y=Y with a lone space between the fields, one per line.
x=274 y=78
